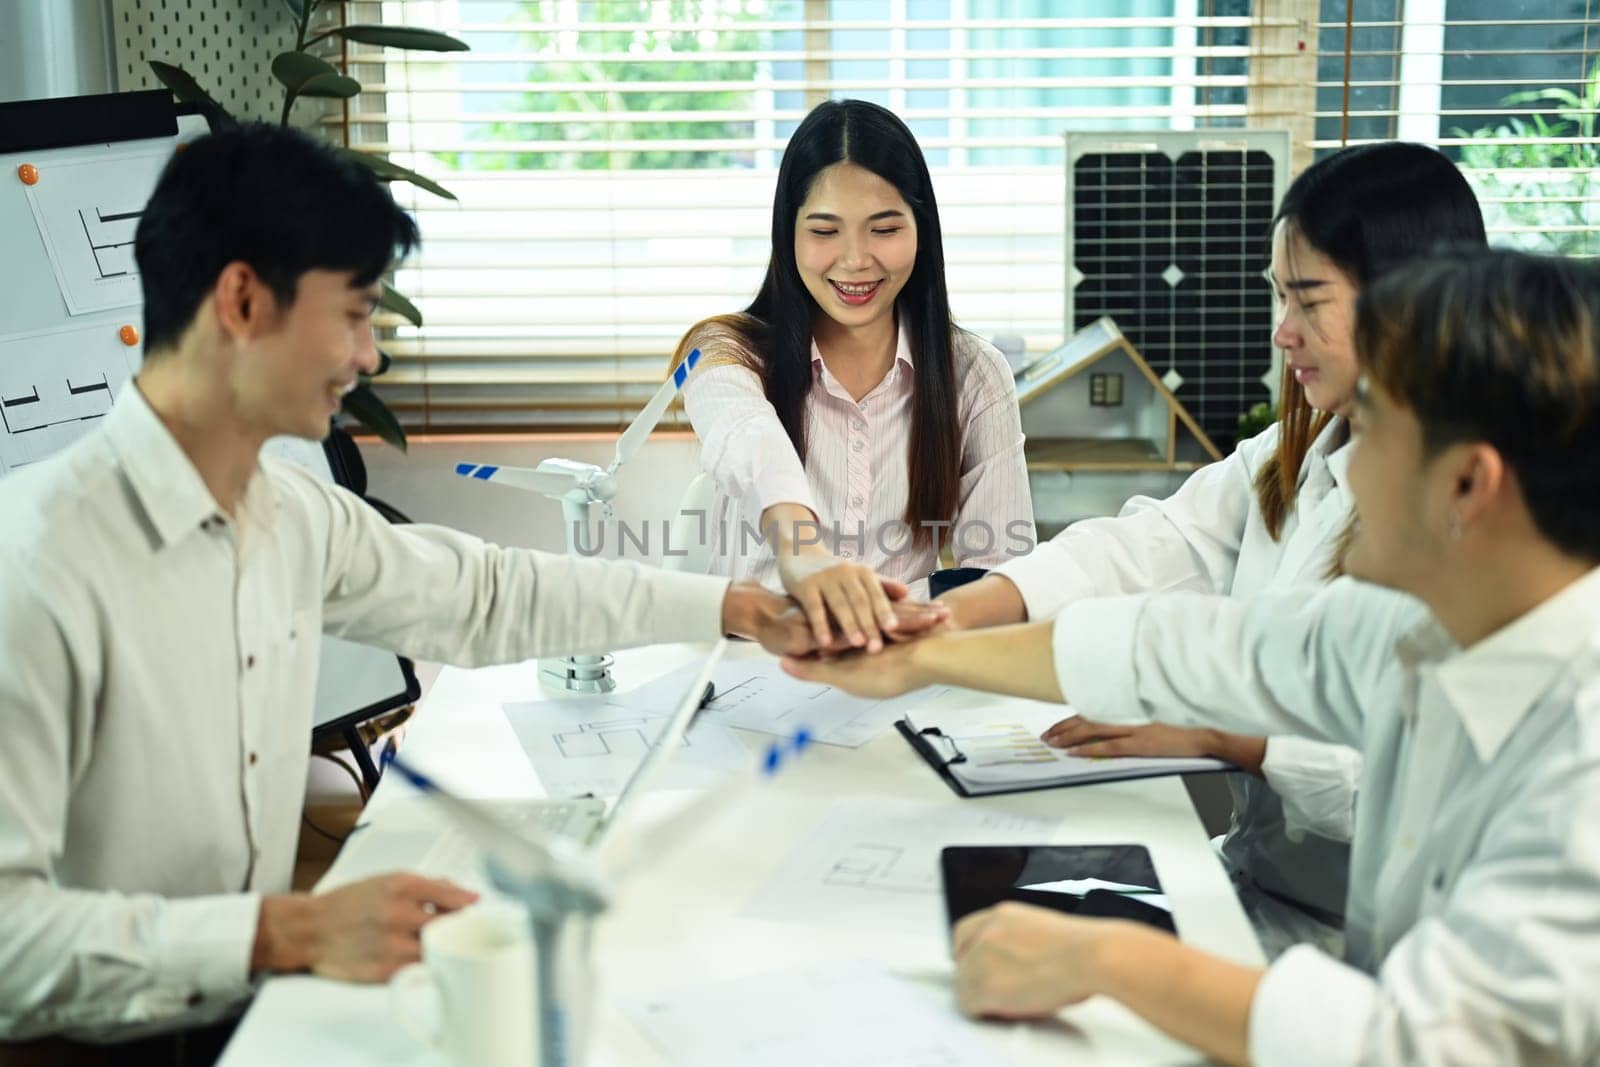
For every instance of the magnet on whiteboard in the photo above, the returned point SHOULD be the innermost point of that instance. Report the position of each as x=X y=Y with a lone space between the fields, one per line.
x=129 y=335
x=28 y=174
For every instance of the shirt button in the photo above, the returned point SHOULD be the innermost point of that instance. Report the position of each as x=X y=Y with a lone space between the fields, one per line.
x=249 y=661
x=857 y=501
x=844 y=553
x=195 y=1000
x=253 y=758
x=858 y=444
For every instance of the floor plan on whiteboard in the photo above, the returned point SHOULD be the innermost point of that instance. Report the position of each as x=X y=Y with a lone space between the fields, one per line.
x=87 y=212
x=55 y=386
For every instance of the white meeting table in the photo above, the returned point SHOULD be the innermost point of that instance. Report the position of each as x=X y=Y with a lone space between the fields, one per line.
x=680 y=923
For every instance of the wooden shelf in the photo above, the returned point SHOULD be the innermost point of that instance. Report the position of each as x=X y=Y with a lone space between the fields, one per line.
x=1099 y=454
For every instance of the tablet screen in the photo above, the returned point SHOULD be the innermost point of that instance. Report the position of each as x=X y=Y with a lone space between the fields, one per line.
x=1112 y=881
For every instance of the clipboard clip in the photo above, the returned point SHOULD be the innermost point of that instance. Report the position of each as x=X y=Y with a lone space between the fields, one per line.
x=939 y=743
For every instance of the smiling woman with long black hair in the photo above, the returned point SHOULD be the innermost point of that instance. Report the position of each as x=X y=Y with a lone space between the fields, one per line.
x=843 y=413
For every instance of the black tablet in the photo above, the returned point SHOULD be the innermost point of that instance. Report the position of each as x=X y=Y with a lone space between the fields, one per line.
x=1109 y=881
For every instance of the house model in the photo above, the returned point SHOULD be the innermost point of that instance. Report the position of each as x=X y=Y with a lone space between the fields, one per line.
x=1095 y=405
x=1102 y=427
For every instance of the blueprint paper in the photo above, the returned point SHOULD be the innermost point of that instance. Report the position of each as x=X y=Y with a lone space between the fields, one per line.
x=836 y=1014
x=757 y=695
x=55 y=386
x=87 y=212
x=874 y=863
x=586 y=745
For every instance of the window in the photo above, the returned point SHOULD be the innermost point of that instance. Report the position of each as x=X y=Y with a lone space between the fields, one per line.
x=614 y=164
x=614 y=159
x=1507 y=88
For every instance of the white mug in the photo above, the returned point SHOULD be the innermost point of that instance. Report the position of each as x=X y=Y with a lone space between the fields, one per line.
x=477 y=969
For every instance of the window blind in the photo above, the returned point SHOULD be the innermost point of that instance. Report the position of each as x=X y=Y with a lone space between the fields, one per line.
x=1507 y=88
x=614 y=160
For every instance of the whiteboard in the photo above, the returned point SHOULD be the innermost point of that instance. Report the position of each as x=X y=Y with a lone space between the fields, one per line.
x=68 y=288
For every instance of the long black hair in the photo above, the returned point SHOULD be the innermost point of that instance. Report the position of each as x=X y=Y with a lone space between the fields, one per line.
x=1369 y=208
x=777 y=326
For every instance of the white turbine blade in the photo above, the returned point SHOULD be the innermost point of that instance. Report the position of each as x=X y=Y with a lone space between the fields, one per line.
x=547 y=482
x=638 y=431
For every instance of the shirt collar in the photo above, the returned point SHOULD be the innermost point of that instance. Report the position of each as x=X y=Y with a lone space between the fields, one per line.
x=1331 y=449
x=168 y=488
x=1493 y=684
x=902 y=351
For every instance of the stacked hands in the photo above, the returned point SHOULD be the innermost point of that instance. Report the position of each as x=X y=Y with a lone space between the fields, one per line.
x=846 y=627
x=841 y=625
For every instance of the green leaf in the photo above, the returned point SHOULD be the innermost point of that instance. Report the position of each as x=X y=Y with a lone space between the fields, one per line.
x=394 y=172
x=334 y=86
x=294 y=69
x=363 y=405
x=188 y=91
x=403 y=37
x=393 y=301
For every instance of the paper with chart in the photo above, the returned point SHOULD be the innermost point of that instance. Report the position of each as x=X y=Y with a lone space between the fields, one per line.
x=756 y=695
x=54 y=386
x=87 y=212
x=835 y=1014
x=874 y=863
x=592 y=744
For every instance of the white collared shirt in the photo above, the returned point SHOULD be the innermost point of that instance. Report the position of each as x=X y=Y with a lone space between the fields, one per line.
x=1473 y=925
x=856 y=475
x=160 y=661
x=1210 y=537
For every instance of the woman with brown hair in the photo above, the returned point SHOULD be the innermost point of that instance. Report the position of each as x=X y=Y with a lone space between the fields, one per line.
x=1269 y=517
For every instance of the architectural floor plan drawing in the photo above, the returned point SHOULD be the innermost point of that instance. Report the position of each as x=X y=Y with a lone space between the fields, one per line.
x=55 y=386
x=87 y=212
x=591 y=745
x=874 y=863
x=627 y=737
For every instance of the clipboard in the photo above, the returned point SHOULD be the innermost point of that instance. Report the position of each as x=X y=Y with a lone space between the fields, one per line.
x=970 y=774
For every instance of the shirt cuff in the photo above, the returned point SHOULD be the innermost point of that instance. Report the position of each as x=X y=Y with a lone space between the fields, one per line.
x=1310 y=1010
x=686 y=607
x=1317 y=783
x=204 y=944
x=1048 y=579
x=1092 y=644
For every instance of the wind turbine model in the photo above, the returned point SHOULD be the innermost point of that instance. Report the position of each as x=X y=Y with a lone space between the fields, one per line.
x=578 y=485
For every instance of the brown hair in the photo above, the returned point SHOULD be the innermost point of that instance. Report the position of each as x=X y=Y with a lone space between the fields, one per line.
x=1369 y=208
x=1501 y=348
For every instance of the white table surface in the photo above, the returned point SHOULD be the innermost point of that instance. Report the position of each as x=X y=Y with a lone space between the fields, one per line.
x=680 y=924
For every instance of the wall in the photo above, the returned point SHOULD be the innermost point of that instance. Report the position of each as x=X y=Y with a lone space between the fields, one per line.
x=54 y=48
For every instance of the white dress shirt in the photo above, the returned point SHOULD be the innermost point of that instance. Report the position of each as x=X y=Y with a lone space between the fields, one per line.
x=856 y=475
x=1210 y=537
x=1473 y=926
x=160 y=662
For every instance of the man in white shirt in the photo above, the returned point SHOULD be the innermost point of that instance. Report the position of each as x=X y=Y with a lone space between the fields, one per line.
x=1473 y=919
x=164 y=590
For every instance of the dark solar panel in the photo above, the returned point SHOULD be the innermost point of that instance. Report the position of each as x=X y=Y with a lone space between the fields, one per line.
x=1174 y=250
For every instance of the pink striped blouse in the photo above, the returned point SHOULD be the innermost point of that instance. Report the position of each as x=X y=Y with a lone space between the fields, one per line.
x=856 y=474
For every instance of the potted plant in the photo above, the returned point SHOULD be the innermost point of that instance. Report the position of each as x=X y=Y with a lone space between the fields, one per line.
x=305 y=75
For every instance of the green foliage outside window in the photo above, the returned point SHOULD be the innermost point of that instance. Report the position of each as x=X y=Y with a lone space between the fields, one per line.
x=1552 y=188
x=552 y=60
